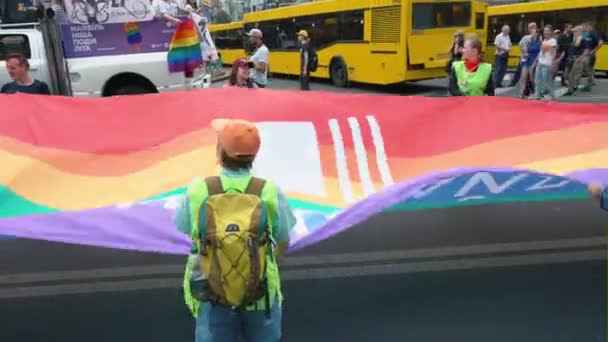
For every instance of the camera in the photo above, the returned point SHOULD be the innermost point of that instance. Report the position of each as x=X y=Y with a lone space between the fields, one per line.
x=250 y=65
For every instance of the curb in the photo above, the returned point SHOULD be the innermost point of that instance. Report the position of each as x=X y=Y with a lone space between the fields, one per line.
x=220 y=78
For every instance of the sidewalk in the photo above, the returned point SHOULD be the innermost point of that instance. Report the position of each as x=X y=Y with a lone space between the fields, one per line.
x=224 y=74
x=598 y=94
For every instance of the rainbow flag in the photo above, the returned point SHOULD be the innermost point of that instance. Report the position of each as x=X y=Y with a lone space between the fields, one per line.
x=207 y=3
x=185 y=50
x=118 y=172
x=132 y=33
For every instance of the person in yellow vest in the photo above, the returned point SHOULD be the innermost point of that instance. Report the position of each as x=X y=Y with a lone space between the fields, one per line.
x=238 y=224
x=471 y=76
x=600 y=194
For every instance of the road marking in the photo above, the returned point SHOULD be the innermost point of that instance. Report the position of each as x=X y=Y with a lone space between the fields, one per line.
x=361 y=154
x=381 y=158
x=446 y=252
x=461 y=263
x=341 y=166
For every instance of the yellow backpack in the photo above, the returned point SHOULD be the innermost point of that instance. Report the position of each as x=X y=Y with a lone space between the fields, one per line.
x=234 y=243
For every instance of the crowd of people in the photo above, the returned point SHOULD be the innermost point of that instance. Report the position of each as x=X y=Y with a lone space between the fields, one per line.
x=546 y=53
x=257 y=66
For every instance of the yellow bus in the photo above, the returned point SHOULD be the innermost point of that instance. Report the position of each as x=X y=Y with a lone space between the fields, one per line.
x=229 y=41
x=369 y=41
x=554 y=12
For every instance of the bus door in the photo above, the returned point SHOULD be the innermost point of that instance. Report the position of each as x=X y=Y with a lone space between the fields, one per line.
x=432 y=32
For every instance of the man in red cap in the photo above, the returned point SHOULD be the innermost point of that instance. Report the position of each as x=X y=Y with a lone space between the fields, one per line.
x=238 y=143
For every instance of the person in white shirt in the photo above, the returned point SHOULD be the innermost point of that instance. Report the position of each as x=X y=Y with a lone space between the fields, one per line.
x=168 y=9
x=543 y=78
x=503 y=45
x=259 y=73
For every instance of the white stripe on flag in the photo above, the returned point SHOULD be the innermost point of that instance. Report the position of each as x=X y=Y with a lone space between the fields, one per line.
x=361 y=154
x=381 y=158
x=341 y=166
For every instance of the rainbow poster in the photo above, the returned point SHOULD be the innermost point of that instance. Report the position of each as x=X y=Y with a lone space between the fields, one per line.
x=109 y=172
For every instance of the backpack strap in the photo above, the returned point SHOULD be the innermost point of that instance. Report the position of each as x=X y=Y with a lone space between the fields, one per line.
x=255 y=186
x=214 y=185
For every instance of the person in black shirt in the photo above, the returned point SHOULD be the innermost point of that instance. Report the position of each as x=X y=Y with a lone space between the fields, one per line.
x=578 y=59
x=563 y=45
x=305 y=56
x=593 y=41
x=18 y=66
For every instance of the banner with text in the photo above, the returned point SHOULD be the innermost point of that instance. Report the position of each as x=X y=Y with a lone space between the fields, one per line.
x=114 y=39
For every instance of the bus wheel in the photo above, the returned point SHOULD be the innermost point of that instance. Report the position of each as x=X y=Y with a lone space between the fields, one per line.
x=338 y=72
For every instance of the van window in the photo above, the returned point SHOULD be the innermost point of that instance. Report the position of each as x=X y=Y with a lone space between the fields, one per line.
x=14 y=43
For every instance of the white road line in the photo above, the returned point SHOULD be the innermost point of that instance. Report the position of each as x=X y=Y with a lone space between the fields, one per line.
x=361 y=154
x=341 y=166
x=381 y=158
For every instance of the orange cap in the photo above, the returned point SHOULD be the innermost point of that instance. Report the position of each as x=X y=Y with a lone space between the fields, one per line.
x=239 y=139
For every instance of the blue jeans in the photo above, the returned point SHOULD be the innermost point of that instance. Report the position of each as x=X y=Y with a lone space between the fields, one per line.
x=221 y=324
x=543 y=80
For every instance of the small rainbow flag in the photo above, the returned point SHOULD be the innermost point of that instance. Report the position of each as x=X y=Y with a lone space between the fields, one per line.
x=132 y=33
x=185 y=49
x=207 y=3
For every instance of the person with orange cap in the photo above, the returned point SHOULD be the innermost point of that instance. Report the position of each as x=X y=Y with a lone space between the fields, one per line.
x=212 y=214
x=305 y=59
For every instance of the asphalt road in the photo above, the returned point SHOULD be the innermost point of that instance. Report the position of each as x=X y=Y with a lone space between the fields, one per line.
x=507 y=272
x=434 y=88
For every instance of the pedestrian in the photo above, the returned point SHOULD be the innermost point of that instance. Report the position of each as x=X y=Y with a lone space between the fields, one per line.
x=503 y=45
x=471 y=76
x=305 y=59
x=61 y=17
x=236 y=222
x=239 y=75
x=593 y=42
x=259 y=73
x=523 y=55
x=577 y=60
x=455 y=52
x=533 y=46
x=543 y=75
x=168 y=9
x=563 y=42
x=18 y=69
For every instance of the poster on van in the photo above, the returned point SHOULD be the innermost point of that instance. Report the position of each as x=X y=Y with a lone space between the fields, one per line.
x=108 y=11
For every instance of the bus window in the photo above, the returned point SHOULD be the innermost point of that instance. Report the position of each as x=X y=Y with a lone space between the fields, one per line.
x=431 y=15
x=518 y=24
x=350 y=26
x=480 y=19
x=578 y=16
x=14 y=43
x=230 y=39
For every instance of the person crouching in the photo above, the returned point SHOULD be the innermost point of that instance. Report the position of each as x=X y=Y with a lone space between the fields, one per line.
x=239 y=75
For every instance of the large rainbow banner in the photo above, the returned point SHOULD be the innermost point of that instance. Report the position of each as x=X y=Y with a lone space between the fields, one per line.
x=109 y=172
